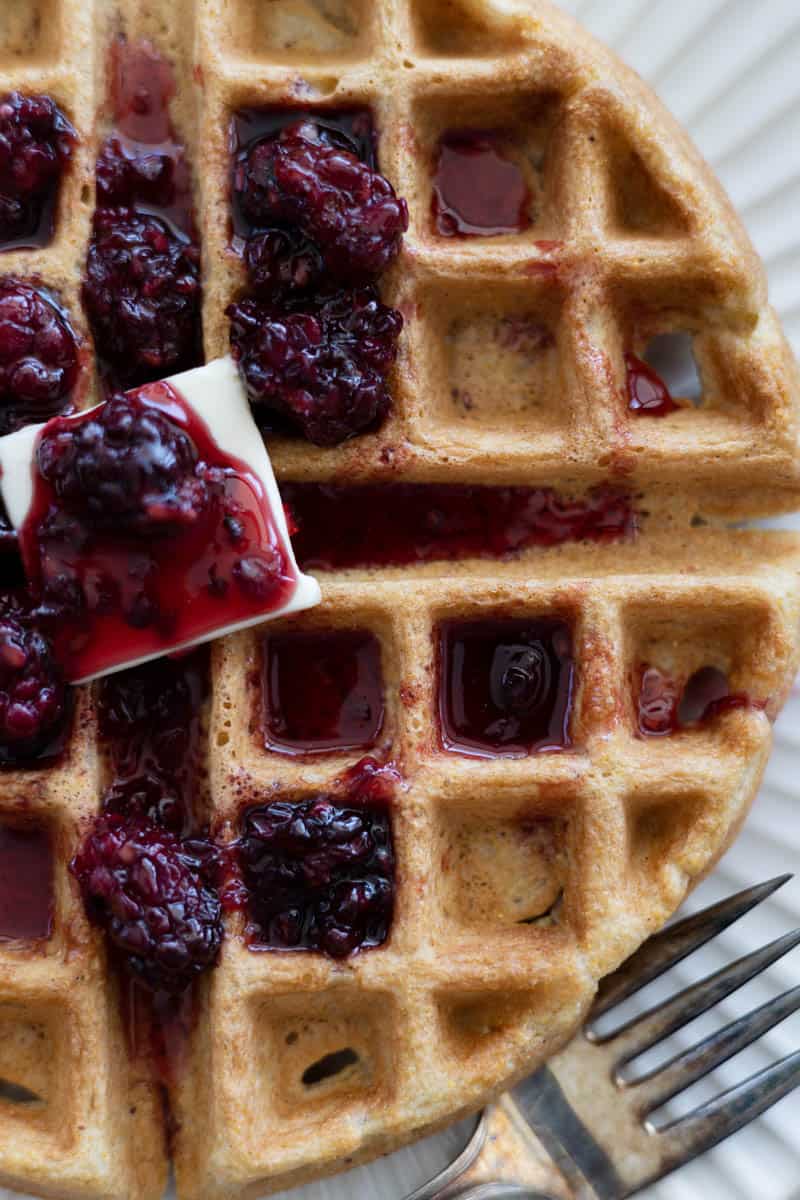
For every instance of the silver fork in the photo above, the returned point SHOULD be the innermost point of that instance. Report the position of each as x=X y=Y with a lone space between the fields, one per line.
x=595 y=1117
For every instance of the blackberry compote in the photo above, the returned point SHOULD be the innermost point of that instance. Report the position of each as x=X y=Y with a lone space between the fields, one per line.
x=126 y=466
x=38 y=356
x=304 y=178
x=26 y=884
x=142 y=296
x=478 y=191
x=149 y=891
x=323 y=691
x=317 y=367
x=318 y=874
x=396 y=524
x=505 y=686
x=316 y=224
x=144 y=535
x=34 y=701
x=142 y=290
x=36 y=142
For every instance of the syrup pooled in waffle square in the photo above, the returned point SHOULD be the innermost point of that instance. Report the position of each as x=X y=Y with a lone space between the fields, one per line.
x=526 y=607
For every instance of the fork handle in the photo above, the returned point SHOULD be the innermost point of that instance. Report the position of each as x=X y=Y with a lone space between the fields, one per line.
x=513 y=1155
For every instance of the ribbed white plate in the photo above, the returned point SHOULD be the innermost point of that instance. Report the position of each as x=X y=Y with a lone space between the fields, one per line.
x=730 y=71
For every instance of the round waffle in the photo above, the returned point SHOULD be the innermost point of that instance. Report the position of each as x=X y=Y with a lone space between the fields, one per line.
x=521 y=881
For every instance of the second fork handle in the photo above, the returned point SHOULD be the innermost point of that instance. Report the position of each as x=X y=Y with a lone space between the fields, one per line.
x=513 y=1154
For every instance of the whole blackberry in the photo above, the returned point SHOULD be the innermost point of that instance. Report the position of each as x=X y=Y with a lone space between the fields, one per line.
x=36 y=140
x=345 y=207
x=38 y=356
x=33 y=696
x=142 y=296
x=148 y=890
x=128 y=466
x=321 y=369
x=319 y=874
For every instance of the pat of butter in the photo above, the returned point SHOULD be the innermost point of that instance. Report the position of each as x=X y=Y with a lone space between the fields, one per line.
x=214 y=394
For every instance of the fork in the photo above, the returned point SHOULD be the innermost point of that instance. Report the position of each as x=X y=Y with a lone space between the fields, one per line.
x=595 y=1116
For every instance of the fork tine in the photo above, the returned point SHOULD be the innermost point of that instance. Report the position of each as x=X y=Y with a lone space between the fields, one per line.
x=709 y=1124
x=652 y=1090
x=671 y=945
x=642 y=1032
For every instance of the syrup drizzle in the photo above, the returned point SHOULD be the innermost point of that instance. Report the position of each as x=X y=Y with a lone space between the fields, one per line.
x=648 y=395
x=395 y=524
x=322 y=691
x=477 y=190
x=26 y=884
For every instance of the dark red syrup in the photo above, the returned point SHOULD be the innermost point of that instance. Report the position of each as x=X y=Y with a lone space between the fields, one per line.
x=130 y=594
x=477 y=190
x=505 y=686
x=666 y=705
x=142 y=87
x=349 y=129
x=150 y=725
x=322 y=691
x=396 y=524
x=648 y=395
x=26 y=884
x=9 y=542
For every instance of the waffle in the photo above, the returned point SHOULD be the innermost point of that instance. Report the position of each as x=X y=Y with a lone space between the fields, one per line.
x=498 y=940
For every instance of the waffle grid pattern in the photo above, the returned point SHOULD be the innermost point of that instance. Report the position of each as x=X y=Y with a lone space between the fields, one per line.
x=93 y=1122
x=599 y=285
x=434 y=1020
x=454 y=1006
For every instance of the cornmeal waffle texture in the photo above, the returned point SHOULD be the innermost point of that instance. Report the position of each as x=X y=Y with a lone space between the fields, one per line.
x=520 y=881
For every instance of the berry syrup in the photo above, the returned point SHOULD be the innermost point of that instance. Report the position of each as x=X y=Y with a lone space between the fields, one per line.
x=505 y=686
x=142 y=291
x=130 y=595
x=26 y=884
x=151 y=729
x=397 y=524
x=142 y=87
x=477 y=190
x=341 y=671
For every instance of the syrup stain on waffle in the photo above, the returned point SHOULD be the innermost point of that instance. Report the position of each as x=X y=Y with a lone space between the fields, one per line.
x=348 y=878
